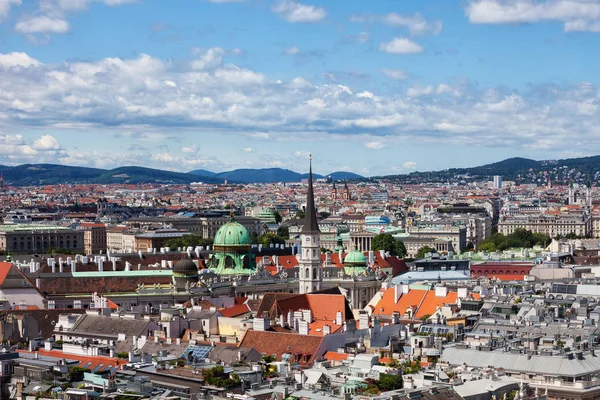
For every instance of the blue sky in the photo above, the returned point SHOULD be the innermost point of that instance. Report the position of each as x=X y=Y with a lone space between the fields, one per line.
x=377 y=87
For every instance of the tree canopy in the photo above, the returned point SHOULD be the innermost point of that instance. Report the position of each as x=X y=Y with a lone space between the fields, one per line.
x=270 y=238
x=386 y=242
x=424 y=250
x=520 y=238
x=191 y=240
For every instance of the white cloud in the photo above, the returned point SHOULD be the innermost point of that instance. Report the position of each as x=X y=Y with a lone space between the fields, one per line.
x=15 y=149
x=164 y=157
x=302 y=154
x=577 y=15
x=189 y=149
x=131 y=97
x=415 y=24
x=363 y=37
x=409 y=165
x=292 y=51
x=52 y=16
x=17 y=60
x=5 y=6
x=374 y=145
x=294 y=11
x=396 y=74
x=419 y=91
x=401 y=46
x=42 y=24
x=212 y=58
x=248 y=150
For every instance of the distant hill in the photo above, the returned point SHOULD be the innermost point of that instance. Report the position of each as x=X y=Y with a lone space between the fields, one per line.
x=521 y=170
x=202 y=172
x=344 y=176
x=51 y=174
x=270 y=175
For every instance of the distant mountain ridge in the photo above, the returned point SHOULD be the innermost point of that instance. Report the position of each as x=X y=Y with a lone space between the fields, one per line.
x=521 y=170
x=52 y=174
x=270 y=175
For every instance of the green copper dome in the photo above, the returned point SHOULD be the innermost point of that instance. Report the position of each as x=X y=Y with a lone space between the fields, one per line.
x=232 y=234
x=356 y=257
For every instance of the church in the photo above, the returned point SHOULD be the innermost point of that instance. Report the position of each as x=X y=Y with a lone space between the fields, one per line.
x=232 y=268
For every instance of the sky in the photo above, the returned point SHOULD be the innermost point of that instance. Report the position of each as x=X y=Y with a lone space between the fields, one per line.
x=373 y=87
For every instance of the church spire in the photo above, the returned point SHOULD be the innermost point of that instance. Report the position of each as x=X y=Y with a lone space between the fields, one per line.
x=310 y=219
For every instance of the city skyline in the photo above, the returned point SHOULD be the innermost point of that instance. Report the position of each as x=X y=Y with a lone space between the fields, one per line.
x=374 y=89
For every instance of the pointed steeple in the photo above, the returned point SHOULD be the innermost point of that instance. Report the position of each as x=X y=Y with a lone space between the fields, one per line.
x=310 y=218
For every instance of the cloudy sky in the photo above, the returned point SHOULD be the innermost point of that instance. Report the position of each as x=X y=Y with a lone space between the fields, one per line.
x=374 y=87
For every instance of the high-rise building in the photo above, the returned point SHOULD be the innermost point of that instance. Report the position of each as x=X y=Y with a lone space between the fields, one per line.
x=497 y=182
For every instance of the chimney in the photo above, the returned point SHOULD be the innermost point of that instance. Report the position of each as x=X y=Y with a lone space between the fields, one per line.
x=163 y=264
x=282 y=321
x=371 y=257
x=261 y=324
x=397 y=293
x=395 y=318
x=326 y=330
x=140 y=254
x=363 y=321
x=73 y=266
x=307 y=315
x=114 y=264
x=100 y=265
x=382 y=254
x=303 y=327
x=351 y=326
x=338 y=318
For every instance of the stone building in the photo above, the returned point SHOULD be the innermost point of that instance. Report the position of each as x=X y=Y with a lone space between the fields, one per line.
x=33 y=239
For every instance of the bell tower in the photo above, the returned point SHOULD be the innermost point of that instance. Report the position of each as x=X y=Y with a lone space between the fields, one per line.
x=311 y=272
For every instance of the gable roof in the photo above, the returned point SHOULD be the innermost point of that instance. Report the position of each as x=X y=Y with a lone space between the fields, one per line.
x=301 y=348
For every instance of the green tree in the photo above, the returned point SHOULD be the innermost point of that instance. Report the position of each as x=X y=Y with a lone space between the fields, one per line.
x=389 y=382
x=277 y=217
x=424 y=250
x=76 y=374
x=270 y=238
x=300 y=214
x=283 y=232
x=386 y=242
x=324 y=214
x=190 y=240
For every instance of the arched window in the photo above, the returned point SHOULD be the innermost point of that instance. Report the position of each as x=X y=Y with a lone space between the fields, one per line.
x=229 y=262
x=245 y=262
x=307 y=275
x=314 y=273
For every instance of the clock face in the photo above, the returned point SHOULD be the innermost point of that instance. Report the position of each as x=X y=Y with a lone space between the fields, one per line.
x=307 y=239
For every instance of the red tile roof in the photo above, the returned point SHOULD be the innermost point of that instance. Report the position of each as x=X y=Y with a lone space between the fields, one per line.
x=94 y=361
x=4 y=270
x=234 y=311
x=303 y=349
x=335 y=356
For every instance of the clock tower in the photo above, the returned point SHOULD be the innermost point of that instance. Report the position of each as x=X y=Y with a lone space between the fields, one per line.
x=309 y=263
